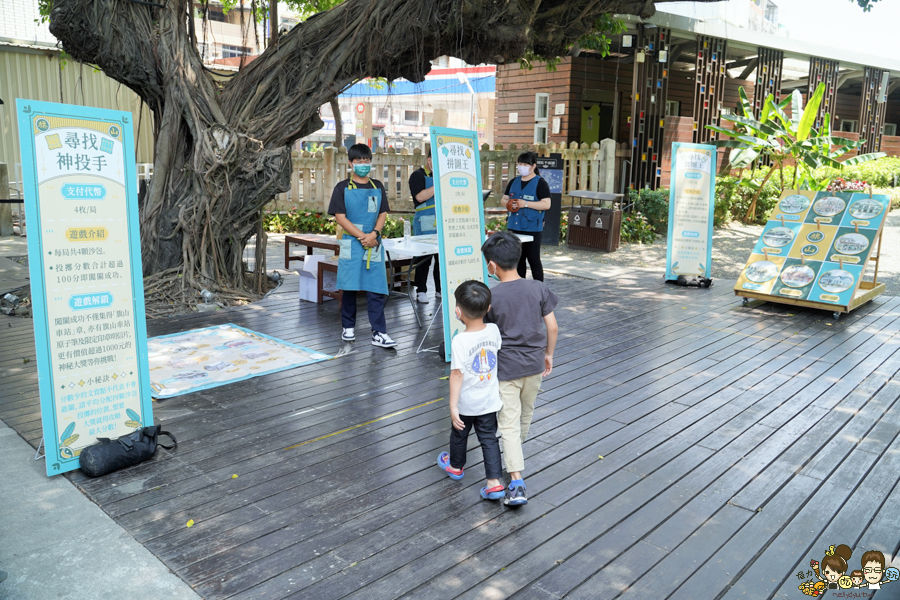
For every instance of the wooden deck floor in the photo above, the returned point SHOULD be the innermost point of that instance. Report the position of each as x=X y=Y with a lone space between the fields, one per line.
x=737 y=444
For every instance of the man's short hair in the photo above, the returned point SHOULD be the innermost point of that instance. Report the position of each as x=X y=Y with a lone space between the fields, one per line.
x=504 y=249
x=359 y=152
x=473 y=298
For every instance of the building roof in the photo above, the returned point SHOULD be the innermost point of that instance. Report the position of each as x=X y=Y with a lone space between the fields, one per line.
x=750 y=40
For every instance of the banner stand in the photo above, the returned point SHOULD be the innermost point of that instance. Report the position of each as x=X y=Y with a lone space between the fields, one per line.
x=815 y=250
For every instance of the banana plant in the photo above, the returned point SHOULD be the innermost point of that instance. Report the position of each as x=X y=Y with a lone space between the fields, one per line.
x=784 y=138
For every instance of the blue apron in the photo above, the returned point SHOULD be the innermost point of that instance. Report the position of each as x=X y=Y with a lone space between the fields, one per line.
x=425 y=220
x=360 y=268
x=526 y=219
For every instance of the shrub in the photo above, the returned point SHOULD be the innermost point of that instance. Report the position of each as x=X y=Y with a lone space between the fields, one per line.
x=653 y=205
x=636 y=229
x=878 y=173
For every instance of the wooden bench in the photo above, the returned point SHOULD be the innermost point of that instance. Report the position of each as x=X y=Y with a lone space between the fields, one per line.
x=323 y=242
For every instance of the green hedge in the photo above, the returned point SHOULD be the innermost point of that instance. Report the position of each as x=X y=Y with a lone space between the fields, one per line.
x=877 y=173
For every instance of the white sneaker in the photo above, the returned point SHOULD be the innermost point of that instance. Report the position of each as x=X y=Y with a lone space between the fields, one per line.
x=422 y=297
x=383 y=340
x=348 y=335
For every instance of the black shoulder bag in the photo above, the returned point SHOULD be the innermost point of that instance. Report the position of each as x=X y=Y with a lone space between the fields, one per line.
x=112 y=455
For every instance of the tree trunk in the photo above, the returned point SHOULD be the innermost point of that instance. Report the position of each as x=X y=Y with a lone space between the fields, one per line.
x=338 y=123
x=223 y=145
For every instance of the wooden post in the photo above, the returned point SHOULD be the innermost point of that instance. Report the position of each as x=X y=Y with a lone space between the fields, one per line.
x=329 y=173
x=6 y=224
x=295 y=178
x=323 y=191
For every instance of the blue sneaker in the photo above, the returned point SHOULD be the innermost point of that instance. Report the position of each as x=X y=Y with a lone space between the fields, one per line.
x=515 y=494
x=443 y=462
x=494 y=493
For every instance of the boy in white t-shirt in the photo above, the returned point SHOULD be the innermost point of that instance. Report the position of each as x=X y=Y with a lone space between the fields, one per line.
x=474 y=388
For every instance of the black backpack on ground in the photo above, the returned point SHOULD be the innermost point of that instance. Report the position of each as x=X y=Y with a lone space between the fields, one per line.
x=112 y=455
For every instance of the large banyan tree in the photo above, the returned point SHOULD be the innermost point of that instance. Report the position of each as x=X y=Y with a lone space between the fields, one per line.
x=223 y=145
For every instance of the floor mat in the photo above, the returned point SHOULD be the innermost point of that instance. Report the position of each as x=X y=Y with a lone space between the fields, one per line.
x=204 y=358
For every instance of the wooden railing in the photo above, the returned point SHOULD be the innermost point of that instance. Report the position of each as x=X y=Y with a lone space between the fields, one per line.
x=315 y=175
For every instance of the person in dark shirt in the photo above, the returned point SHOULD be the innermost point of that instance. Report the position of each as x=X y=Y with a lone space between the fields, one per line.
x=421 y=186
x=523 y=311
x=360 y=206
x=527 y=197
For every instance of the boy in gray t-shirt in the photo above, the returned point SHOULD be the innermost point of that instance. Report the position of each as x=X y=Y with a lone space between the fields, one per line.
x=523 y=310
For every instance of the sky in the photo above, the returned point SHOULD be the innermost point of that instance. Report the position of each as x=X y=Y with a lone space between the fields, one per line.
x=843 y=24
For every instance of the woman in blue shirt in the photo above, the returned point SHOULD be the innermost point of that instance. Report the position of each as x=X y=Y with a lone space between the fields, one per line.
x=526 y=198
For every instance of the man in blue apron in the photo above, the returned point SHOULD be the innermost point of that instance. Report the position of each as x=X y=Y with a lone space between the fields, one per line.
x=360 y=206
x=421 y=186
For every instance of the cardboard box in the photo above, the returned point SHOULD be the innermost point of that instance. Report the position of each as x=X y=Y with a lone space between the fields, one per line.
x=309 y=275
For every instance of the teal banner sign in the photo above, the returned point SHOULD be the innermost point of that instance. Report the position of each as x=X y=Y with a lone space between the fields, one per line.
x=691 y=206
x=460 y=215
x=84 y=257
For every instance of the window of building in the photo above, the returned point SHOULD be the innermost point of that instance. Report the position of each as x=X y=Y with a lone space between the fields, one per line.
x=541 y=116
x=233 y=51
x=411 y=116
x=673 y=108
x=848 y=126
x=216 y=15
x=890 y=129
x=383 y=114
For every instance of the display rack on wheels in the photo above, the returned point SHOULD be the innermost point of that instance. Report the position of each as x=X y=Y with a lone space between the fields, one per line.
x=815 y=249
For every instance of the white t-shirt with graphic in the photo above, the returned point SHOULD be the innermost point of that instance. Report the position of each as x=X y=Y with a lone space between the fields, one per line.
x=475 y=354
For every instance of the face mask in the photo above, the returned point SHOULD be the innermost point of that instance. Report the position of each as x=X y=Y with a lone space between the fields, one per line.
x=362 y=170
x=492 y=275
x=458 y=315
x=523 y=170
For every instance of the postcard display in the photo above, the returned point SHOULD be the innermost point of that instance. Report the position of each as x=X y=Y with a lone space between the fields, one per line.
x=814 y=251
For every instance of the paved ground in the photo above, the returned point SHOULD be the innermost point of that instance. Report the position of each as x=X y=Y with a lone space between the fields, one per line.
x=13 y=273
x=59 y=544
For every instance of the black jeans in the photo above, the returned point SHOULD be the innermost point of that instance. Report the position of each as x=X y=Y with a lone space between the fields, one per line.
x=421 y=278
x=486 y=430
x=531 y=251
x=374 y=304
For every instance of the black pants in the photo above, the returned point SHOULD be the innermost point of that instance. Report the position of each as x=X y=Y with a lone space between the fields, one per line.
x=531 y=251
x=486 y=430
x=374 y=304
x=421 y=278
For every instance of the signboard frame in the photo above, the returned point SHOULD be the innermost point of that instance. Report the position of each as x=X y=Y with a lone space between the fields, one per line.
x=443 y=197
x=709 y=191
x=29 y=114
x=554 y=169
x=803 y=220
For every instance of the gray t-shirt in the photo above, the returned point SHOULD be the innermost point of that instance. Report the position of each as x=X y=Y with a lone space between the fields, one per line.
x=518 y=308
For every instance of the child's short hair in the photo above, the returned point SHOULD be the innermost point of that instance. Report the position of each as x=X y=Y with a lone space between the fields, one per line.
x=359 y=152
x=857 y=573
x=504 y=248
x=473 y=298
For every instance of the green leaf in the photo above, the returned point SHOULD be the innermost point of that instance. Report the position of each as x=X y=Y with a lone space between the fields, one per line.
x=810 y=112
x=767 y=110
x=778 y=109
x=862 y=158
x=753 y=124
x=796 y=108
x=746 y=107
x=729 y=144
x=744 y=158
